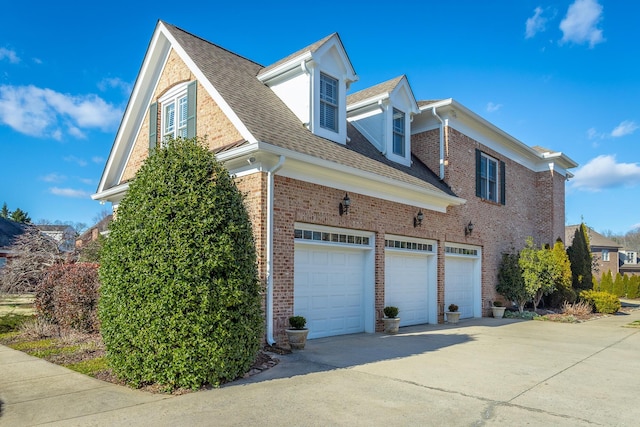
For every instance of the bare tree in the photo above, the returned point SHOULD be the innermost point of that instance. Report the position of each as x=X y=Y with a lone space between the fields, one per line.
x=32 y=253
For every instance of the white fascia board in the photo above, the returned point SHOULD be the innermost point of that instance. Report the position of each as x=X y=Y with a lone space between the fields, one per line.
x=284 y=67
x=368 y=102
x=482 y=130
x=331 y=174
x=202 y=79
x=113 y=194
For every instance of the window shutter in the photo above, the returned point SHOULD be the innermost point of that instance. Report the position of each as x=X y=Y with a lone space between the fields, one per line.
x=191 y=109
x=478 y=167
x=153 y=126
x=503 y=189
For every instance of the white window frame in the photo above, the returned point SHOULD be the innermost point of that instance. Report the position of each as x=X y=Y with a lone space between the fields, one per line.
x=487 y=179
x=177 y=100
x=605 y=255
x=327 y=102
x=398 y=131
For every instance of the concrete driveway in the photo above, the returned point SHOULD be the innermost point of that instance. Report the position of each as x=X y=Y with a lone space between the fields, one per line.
x=479 y=372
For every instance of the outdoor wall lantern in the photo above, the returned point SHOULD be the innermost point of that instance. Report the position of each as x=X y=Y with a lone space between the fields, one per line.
x=468 y=229
x=344 y=205
x=417 y=220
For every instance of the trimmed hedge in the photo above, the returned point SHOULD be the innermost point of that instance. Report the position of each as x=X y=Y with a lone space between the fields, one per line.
x=68 y=296
x=180 y=298
x=601 y=302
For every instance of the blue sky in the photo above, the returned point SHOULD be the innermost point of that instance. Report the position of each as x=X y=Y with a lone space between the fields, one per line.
x=561 y=74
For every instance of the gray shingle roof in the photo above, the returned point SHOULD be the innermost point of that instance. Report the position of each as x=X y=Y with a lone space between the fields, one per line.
x=379 y=89
x=270 y=120
x=9 y=230
x=595 y=239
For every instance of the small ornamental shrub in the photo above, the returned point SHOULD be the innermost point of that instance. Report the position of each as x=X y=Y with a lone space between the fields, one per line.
x=391 y=312
x=498 y=304
x=601 y=302
x=297 y=322
x=68 y=296
x=580 y=308
x=510 y=281
x=180 y=297
x=453 y=308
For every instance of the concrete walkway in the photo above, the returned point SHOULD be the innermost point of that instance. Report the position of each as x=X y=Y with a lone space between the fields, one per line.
x=480 y=372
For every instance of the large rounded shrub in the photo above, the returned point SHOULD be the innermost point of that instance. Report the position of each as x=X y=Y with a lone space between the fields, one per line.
x=179 y=300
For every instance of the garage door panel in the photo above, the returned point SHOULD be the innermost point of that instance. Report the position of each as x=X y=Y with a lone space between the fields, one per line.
x=460 y=283
x=329 y=289
x=406 y=286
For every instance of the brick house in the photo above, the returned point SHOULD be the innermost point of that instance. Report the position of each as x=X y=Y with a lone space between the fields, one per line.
x=357 y=201
x=605 y=251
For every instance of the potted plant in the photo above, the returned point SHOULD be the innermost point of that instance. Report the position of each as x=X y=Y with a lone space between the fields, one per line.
x=453 y=315
x=498 y=309
x=297 y=334
x=391 y=319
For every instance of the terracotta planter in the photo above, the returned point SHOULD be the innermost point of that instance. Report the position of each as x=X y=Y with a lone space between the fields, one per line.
x=498 y=312
x=297 y=338
x=391 y=325
x=452 y=317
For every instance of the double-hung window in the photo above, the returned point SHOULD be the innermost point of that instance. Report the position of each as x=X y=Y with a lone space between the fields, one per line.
x=328 y=102
x=490 y=178
x=605 y=255
x=398 y=132
x=173 y=115
x=175 y=118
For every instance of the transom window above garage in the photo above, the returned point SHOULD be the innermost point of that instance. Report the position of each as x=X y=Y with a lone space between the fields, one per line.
x=413 y=246
x=330 y=237
x=460 y=251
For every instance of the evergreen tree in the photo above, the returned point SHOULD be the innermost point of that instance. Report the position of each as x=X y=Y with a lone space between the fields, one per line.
x=20 y=216
x=606 y=283
x=510 y=282
x=581 y=260
x=618 y=286
x=562 y=270
x=4 y=212
x=180 y=298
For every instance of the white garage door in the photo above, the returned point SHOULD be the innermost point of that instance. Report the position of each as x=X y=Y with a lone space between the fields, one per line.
x=462 y=280
x=329 y=281
x=410 y=279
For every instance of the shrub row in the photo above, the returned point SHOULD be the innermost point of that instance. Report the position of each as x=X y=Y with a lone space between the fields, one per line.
x=602 y=302
x=623 y=286
x=68 y=296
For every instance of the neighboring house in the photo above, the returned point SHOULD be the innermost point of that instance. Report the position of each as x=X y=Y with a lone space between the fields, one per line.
x=629 y=263
x=9 y=230
x=90 y=235
x=605 y=251
x=64 y=235
x=357 y=201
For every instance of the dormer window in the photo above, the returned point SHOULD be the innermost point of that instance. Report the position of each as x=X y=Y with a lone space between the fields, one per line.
x=398 y=133
x=328 y=102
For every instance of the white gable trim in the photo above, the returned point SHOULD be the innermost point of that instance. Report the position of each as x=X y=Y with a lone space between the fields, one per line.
x=137 y=109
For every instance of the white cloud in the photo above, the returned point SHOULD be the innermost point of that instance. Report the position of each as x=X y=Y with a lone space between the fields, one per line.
x=10 y=55
x=603 y=172
x=627 y=127
x=491 y=107
x=97 y=159
x=535 y=24
x=40 y=112
x=87 y=181
x=54 y=177
x=115 y=83
x=70 y=192
x=580 y=23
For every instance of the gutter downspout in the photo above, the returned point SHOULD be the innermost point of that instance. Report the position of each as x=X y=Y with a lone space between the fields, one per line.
x=269 y=304
x=433 y=111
